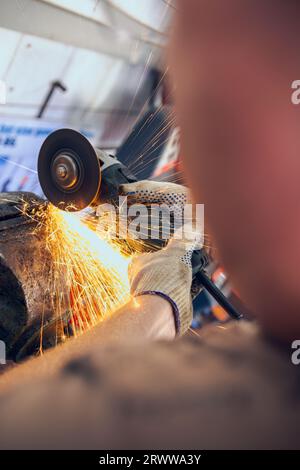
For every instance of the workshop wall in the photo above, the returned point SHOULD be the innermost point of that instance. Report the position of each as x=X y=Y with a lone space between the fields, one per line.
x=102 y=71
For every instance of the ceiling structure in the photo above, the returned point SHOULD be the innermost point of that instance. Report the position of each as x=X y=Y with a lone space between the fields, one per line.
x=100 y=50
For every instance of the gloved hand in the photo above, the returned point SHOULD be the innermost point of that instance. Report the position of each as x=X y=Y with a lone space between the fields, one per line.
x=152 y=193
x=167 y=272
x=156 y=192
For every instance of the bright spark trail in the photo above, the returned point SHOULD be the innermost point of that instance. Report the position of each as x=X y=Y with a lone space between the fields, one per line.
x=94 y=271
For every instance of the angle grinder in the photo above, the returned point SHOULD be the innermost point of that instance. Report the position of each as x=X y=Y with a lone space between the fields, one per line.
x=75 y=175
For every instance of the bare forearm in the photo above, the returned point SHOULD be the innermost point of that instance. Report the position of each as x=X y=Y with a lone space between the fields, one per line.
x=146 y=317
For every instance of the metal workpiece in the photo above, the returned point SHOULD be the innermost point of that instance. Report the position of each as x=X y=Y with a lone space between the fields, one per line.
x=28 y=301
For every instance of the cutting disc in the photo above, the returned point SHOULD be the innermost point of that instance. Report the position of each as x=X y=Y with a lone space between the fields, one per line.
x=69 y=170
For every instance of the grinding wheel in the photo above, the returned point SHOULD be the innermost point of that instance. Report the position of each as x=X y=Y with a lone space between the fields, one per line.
x=69 y=170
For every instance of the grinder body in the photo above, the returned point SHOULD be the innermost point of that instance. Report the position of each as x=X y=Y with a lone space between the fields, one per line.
x=113 y=174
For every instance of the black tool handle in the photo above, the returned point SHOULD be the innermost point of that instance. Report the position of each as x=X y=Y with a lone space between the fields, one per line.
x=217 y=295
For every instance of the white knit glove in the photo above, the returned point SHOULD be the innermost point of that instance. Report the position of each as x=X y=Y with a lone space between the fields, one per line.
x=167 y=272
x=156 y=192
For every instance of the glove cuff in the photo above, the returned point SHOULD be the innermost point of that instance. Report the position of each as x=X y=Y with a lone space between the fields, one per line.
x=173 y=304
x=179 y=297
